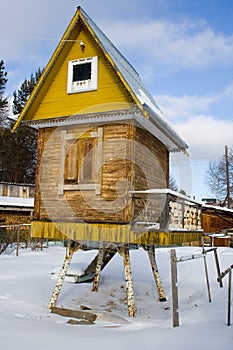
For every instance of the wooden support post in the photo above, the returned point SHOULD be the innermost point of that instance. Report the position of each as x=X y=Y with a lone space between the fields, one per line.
x=228 y=196
x=17 y=240
x=61 y=277
x=99 y=264
x=214 y=249
x=68 y=245
x=158 y=282
x=174 y=288
x=128 y=279
x=229 y=300
x=222 y=275
x=217 y=266
x=207 y=278
x=164 y=217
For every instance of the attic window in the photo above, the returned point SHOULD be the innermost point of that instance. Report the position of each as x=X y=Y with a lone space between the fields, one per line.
x=82 y=75
x=81 y=72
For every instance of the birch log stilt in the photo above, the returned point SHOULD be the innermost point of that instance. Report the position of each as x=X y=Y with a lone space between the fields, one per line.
x=158 y=282
x=129 y=283
x=61 y=276
x=99 y=264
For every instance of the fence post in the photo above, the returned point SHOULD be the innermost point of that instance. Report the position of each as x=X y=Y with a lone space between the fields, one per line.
x=217 y=266
x=174 y=288
x=17 y=240
x=229 y=300
x=207 y=278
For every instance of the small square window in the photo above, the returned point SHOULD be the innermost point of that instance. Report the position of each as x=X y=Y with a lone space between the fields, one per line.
x=81 y=72
x=82 y=75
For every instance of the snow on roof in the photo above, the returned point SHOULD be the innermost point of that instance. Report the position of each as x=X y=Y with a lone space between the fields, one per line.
x=217 y=208
x=16 y=202
x=166 y=191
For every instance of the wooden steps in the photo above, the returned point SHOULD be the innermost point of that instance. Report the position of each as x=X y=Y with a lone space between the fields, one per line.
x=88 y=316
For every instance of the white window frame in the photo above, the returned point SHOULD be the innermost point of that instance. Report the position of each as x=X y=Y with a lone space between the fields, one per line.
x=83 y=85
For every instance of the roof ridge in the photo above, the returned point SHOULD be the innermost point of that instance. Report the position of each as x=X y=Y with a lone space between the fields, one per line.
x=93 y=24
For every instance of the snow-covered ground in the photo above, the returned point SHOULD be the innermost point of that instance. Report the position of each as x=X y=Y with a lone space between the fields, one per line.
x=27 y=282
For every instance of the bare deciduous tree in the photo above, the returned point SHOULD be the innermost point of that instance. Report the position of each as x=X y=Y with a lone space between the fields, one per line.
x=216 y=177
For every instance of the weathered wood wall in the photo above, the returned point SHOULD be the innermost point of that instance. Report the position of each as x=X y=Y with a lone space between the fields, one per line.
x=131 y=159
x=214 y=222
x=14 y=217
x=151 y=169
x=111 y=205
x=17 y=190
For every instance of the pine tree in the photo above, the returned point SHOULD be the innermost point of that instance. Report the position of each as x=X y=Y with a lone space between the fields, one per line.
x=18 y=150
x=25 y=137
x=22 y=95
x=3 y=100
x=172 y=183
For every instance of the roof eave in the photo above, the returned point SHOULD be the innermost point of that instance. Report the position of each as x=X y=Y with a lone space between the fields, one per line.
x=169 y=132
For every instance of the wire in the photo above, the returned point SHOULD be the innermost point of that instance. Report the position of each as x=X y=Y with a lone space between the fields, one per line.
x=42 y=39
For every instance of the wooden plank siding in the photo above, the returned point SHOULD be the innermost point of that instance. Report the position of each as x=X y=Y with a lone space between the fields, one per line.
x=131 y=159
x=151 y=169
x=117 y=233
x=110 y=95
x=14 y=217
x=216 y=222
x=112 y=204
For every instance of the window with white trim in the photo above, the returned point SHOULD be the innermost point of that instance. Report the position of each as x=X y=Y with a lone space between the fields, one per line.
x=81 y=160
x=82 y=75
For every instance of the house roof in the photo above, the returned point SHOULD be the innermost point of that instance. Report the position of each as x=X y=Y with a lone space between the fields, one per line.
x=16 y=203
x=152 y=116
x=217 y=209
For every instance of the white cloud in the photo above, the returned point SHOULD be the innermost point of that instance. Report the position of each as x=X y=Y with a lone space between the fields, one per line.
x=25 y=24
x=186 y=44
x=206 y=135
x=195 y=120
x=183 y=107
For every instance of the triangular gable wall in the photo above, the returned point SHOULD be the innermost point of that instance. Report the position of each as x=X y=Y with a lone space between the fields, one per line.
x=54 y=101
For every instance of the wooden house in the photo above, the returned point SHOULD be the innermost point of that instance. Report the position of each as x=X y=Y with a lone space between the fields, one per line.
x=17 y=190
x=103 y=145
x=16 y=203
x=16 y=210
x=217 y=224
x=15 y=218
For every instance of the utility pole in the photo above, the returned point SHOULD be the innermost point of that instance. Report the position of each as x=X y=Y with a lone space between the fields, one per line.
x=227 y=178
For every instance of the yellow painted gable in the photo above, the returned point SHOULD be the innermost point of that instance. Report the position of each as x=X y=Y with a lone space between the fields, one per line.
x=53 y=100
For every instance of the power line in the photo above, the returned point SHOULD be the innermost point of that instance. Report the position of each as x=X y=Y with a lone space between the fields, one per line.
x=41 y=39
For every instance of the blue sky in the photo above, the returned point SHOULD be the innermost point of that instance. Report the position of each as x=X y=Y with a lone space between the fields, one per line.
x=182 y=50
